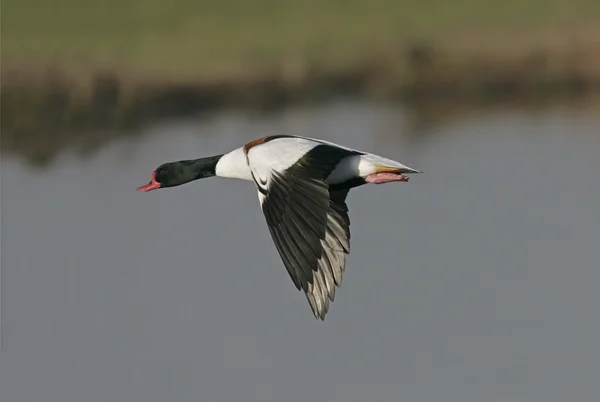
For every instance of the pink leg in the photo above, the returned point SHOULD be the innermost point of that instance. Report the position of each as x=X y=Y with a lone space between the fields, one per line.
x=380 y=178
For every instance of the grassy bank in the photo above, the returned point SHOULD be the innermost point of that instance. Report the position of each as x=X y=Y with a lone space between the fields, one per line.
x=191 y=37
x=77 y=65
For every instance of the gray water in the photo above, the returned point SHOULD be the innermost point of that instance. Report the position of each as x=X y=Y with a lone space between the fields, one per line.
x=476 y=281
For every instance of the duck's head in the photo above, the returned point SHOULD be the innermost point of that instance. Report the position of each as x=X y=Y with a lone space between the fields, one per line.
x=177 y=173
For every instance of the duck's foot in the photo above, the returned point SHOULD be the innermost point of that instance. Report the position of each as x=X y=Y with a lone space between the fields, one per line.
x=380 y=178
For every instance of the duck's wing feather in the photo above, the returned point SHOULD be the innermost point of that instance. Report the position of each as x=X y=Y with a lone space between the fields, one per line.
x=309 y=224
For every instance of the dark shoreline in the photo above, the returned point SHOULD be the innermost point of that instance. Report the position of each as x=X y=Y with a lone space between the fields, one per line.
x=46 y=110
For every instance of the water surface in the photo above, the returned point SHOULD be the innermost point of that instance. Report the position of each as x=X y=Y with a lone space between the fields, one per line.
x=476 y=281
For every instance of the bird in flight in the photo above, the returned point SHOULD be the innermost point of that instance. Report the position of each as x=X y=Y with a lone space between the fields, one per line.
x=302 y=187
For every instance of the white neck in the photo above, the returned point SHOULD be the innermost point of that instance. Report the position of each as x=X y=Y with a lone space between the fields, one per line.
x=233 y=165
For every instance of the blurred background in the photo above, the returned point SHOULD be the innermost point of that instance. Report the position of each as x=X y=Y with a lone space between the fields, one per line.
x=475 y=282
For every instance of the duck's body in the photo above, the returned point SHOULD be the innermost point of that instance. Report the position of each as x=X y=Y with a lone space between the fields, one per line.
x=280 y=152
x=302 y=185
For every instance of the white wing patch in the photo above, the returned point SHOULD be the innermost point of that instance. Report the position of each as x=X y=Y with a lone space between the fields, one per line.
x=278 y=154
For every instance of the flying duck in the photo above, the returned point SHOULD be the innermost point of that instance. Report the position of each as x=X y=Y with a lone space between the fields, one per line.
x=302 y=187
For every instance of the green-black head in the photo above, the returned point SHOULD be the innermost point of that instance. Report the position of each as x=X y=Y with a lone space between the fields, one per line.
x=177 y=173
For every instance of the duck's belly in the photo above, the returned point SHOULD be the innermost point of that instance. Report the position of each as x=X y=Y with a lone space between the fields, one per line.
x=349 y=168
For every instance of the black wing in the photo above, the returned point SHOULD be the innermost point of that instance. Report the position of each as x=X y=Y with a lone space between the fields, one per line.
x=310 y=226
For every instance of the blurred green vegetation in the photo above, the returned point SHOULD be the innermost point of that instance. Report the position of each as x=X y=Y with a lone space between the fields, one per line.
x=77 y=72
x=178 y=37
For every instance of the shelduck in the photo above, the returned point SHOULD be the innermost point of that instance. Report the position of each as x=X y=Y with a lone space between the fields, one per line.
x=302 y=187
